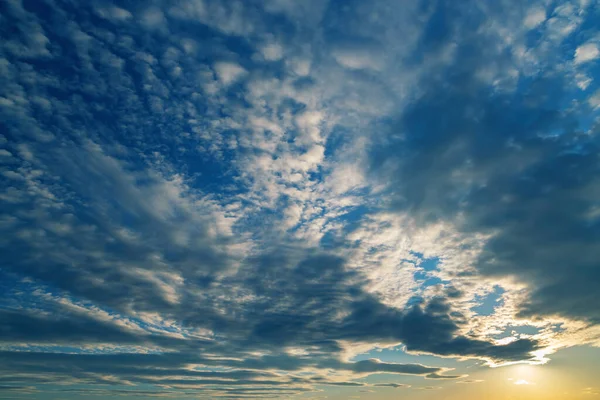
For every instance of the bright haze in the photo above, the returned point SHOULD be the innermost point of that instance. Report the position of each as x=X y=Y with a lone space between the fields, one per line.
x=300 y=199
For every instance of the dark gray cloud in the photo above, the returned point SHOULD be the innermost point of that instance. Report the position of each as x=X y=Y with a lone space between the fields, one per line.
x=302 y=301
x=392 y=385
x=513 y=164
x=173 y=371
x=376 y=366
x=423 y=330
x=298 y=296
x=20 y=326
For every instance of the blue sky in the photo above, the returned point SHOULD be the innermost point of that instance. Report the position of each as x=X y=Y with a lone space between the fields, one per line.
x=295 y=199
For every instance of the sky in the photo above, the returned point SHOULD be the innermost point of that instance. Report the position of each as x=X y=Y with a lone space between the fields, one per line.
x=316 y=199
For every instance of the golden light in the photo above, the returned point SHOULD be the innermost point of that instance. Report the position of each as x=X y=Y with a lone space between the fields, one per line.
x=524 y=374
x=522 y=382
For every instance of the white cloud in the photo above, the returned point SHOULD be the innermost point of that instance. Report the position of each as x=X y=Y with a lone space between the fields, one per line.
x=300 y=66
x=229 y=72
x=231 y=18
x=5 y=153
x=594 y=100
x=565 y=20
x=535 y=17
x=272 y=51
x=346 y=176
x=586 y=52
x=309 y=124
x=113 y=13
x=357 y=58
x=154 y=18
x=292 y=215
x=583 y=81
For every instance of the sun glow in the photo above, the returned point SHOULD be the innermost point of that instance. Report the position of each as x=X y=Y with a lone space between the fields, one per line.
x=524 y=375
x=522 y=382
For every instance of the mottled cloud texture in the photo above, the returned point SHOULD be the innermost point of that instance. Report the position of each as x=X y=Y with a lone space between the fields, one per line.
x=241 y=199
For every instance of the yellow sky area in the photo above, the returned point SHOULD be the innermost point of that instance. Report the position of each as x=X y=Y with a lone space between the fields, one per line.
x=572 y=374
x=521 y=382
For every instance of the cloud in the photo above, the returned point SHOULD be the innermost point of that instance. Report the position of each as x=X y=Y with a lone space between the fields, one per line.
x=113 y=13
x=392 y=385
x=172 y=370
x=513 y=166
x=231 y=199
x=293 y=296
x=583 y=81
x=467 y=381
x=272 y=51
x=229 y=72
x=594 y=100
x=231 y=18
x=586 y=52
x=22 y=327
x=152 y=18
x=357 y=58
x=535 y=17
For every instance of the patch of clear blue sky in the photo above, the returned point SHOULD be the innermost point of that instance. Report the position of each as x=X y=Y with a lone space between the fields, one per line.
x=519 y=330
x=486 y=304
x=425 y=269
